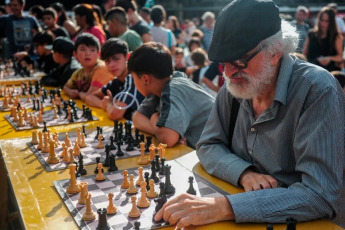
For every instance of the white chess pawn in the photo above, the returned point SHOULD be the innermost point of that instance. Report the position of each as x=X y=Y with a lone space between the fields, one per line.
x=111 y=209
x=131 y=189
x=135 y=212
x=143 y=201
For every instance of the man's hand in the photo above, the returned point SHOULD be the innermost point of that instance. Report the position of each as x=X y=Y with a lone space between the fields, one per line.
x=73 y=93
x=186 y=209
x=107 y=100
x=251 y=181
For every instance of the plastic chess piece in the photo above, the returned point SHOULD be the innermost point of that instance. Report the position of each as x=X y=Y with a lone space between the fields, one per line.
x=35 y=123
x=70 y=156
x=56 y=116
x=161 y=190
x=119 y=152
x=160 y=202
x=158 y=167
x=112 y=163
x=143 y=202
x=147 y=179
x=134 y=212
x=83 y=144
x=102 y=219
x=169 y=189
x=52 y=158
x=291 y=223
x=125 y=183
x=40 y=142
x=153 y=172
x=131 y=189
x=136 y=225
x=100 y=176
x=84 y=130
x=64 y=153
x=83 y=192
x=148 y=143
x=97 y=161
x=34 y=139
x=269 y=227
x=73 y=186
x=100 y=143
x=161 y=171
x=81 y=169
x=152 y=150
x=98 y=132
x=152 y=193
x=163 y=152
x=143 y=159
x=89 y=214
x=67 y=140
x=130 y=146
x=44 y=127
x=112 y=146
x=76 y=148
x=191 y=189
x=107 y=152
x=141 y=176
x=45 y=148
x=111 y=209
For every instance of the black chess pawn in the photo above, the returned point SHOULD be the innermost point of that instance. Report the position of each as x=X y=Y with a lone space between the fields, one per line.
x=84 y=130
x=191 y=189
x=97 y=161
x=269 y=227
x=84 y=110
x=291 y=223
x=169 y=188
x=153 y=172
x=136 y=140
x=58 y=109
x=81 y=169
x=89 y=114
x=120 y=127
x=116 y=138
x=162 y=189
x=119 y=137
x=148 y=143
x=98 y=132
x=33 y=104
x=75 y=113
x=72 y=120
x=102 y=219
x=101 y=132
x=112 y=163
x=161 y=171
x=130 y=146
x=147 y=180
x=136 y=225
x=37 y=105
x=119 y=152
x=160 y=202
x=112 y=146
x=107 y=152
x=116 y=123
x=45 y=127
x=158 y=167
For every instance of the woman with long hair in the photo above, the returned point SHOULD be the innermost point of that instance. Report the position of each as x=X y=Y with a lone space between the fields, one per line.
x=88 y=21
x=63 y=19
x=324 y=44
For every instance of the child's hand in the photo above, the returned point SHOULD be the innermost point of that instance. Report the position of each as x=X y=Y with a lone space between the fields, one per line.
x=74 y=93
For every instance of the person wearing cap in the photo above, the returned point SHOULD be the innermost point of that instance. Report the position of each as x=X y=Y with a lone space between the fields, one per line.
x=63 y=55
x=284 y=141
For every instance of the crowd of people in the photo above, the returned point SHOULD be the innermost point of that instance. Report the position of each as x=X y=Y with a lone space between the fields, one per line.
x=257 y=96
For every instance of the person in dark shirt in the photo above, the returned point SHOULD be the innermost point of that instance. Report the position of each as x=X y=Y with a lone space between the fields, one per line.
x=63 y=55
x=50 y=19
x=45 y=61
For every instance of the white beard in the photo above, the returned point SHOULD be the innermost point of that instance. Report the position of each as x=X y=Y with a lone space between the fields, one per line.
x=254 y=85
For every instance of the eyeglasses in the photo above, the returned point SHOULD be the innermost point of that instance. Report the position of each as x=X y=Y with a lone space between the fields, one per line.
x=243 y=63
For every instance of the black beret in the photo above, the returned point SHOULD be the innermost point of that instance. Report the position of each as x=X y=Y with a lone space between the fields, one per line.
x=241 y=26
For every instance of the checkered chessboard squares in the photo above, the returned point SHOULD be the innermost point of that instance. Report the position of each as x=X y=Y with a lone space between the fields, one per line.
x=25 y=104
x=120 y=220
x=48 y=116
x=89 y=153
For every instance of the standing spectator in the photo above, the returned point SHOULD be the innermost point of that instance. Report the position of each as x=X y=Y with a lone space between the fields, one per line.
x=88 y=21
x=174 y=25
x=49 y=20
x=64 y=20
x=179 y=64
x=324 y=44
x=145 y=14
x=18 y=28
x=339 y=20
x=102 y=22
x=301 y=26
x=37 y=12
x=107 y=5
x=117 y=22
x=135 y=22
x=207 y=27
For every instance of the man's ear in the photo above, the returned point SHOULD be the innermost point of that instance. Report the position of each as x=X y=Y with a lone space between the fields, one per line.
x=147 y=78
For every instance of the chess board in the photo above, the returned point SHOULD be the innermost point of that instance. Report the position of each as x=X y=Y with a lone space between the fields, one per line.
x=89 y=153
x=24 y=103
x=121 y=220
x=48 y=116
x=11 y=78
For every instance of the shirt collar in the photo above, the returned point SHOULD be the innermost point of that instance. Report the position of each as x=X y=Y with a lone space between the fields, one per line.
x=284 y=76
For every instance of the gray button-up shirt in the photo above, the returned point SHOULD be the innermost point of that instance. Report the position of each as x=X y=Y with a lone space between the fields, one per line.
x=299 y=140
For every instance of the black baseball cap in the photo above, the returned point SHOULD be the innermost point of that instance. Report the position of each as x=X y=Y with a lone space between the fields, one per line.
x=62 y=45
x=241 y=26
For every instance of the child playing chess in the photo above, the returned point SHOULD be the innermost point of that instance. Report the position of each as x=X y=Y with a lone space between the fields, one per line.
x=175 y=108
x=93 y=74
x=114 y=53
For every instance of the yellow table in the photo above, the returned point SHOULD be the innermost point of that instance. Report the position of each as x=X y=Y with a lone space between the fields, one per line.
x=42 y=208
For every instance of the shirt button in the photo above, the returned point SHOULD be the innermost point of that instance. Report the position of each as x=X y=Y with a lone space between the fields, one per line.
x=252 y=129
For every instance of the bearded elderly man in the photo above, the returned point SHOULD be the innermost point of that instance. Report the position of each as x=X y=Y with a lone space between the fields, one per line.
x=287 y=147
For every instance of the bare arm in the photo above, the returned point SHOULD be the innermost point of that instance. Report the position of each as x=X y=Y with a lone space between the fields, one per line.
x=146 y=37
x=95 y=98
x=142 y=123
x=72 y=93
x=163 y=134
x=113 y=112
x=210 y=84
x=339 y=49
x=92 y=89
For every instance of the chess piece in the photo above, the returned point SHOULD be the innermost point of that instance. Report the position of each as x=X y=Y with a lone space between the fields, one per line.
x=291 y=223
x=81 y=169
x=119 y=152
x=161 y=190
x=31 y=120
x=5 y=103
x=44 y=127
x=98 y=132
x=112 y=146
x=25 y=114
x=153 y=172
x=73 y=186
x=40 y=142
x=64 y=154
x=169 y=189
x=130 y=146
x=147 y=179
x=143 y=201
x=152 y=193
x=89 y=214
x=70 y=156
x=100 y=143
x=131 y=189
x=78 y=136
x=56 y=139
x=76 y=148
x=140 y=177
x=100 y=176
x=160 y=202
x=56 y=116
x=35 y=124
x=135 y=212
x=125 y=183
x=107 y=152
x=158 y=167
x=143 y=159
x=34 y=139
x=40 y=117
x=152 y=151
x=97 y=161
x=83 y=144
x=161 y=171
x=45 y=148
x=269 y=227
x=111 y=209
x=84 y=130
x=191 y=189
x=112 y=163
x=67 y=140
x=102 y=219
x=83 y=192
x=15 y=115
x=148 y=143
x=136 y=225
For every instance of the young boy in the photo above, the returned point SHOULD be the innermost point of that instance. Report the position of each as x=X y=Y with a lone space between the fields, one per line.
x=45 y=61
x=175 y=108
x=93 y=74
x=114 y=53
x=63 y=55
x=50 y=19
